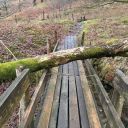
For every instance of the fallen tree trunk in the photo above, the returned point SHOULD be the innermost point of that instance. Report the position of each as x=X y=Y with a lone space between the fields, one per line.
x=7 y=70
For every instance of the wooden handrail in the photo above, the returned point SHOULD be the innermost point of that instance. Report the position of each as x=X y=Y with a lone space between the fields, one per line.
x=120 y=93
x=29 y=112
x=93 y=118
x=11 y=97
x=110 y=112
x=122 y=81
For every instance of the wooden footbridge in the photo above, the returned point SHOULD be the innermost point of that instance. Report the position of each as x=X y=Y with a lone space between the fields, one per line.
x=68 y=96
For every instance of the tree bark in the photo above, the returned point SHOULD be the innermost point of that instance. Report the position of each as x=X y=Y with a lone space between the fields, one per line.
x=7 y=70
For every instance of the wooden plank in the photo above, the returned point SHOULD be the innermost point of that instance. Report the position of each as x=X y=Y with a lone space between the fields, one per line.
x=63 y=108
x=120 y=84
x=112 y=116
x=110 y=112
x=27 y=118
x=22 y=101
x=90 y=105
x=47 y=106
x=122 y=80
x=73 y=104
x=11 y=97
x=81 y=102
x=55 y=107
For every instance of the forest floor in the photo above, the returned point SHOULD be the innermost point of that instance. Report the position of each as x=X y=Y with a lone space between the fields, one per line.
x=26 y=33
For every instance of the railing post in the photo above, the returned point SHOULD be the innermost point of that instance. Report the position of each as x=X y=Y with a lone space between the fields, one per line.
x=43 y=15
x=56 y=36
x=114 y=97
x=82 y=40
x=22 y=101
x=16 y=19
x=120 y=83
x=119 y=106
x=72 y=17
x=118 y=101
x=48 y=46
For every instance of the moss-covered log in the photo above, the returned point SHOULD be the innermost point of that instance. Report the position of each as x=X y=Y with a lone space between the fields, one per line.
x=7 y=70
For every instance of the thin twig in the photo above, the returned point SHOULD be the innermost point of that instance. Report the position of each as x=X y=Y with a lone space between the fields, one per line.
x=8 y=49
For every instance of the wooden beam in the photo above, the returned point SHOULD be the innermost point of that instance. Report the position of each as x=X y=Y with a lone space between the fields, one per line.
x=110 y=112
x=55 y=107
x=123 y=81
x=63 y=108
x=47 y=106
x=120 y=83
x=73 y=102
x=22 y=101
x=28 y=116
x=91 y=109
x=82 y=107
x=11 y=97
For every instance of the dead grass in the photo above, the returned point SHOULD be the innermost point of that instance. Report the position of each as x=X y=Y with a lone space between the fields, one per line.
x=109 y=25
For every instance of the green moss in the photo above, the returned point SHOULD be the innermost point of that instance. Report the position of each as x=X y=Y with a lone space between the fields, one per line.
x=121 y=20
x=65 y=21
x=104 y=35
x=124 y=20
x=89 y=53
x=93 y=52
x=86 y=29
x=41 y=5
x=22 y=39
x=88 y=24
x=19 y=54
x=35 y=77
x=7 y=70
x=112 y=41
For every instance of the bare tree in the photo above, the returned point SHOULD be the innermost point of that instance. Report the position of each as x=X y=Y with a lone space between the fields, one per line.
x=5 y=7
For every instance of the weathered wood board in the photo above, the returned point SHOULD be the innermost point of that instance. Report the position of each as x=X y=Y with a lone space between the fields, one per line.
x=47 y=106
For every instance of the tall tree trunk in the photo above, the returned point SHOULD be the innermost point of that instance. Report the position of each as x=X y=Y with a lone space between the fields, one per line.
x=7 y=70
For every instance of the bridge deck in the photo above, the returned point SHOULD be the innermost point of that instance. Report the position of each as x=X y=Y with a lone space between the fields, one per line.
x=63 y=98
x=64 y=105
